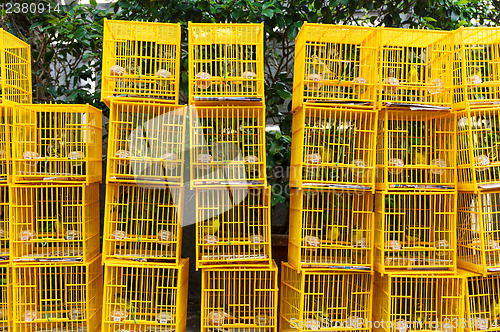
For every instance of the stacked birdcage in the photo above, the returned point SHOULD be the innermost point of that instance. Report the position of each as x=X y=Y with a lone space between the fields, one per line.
x=145 y=284
x=54 y=224
x=476 y=77
x=327 y=282
x=228 y=174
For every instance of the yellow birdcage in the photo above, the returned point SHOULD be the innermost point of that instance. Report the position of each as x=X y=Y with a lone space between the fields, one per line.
x=476 y=70
x=5 y=297
x=239 y=299
x=478 y=156
x=478 y=231
x=141 y=60
x=57 y=296
x=228 y=145
x=233 y=225
x=335 y=64
x=333 y=147
x=5 y=145
x=325 y=300
x=424 y=303
x=482 y=302
x=145 y=296
x=56 y=143
x=15 y=69
x=146 y=142
x=226 y=62
x=415 y=68
x=143 y=222
x=330 y=229
x=416 y=150
x=54 y=222
x=415 y=232
x=5 y=222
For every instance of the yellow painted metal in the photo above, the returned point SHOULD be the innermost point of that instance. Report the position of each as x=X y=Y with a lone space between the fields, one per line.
x=325 y=300
x=416 y=150
x=333 y=147
x=143 y=222
x=335 y=64
x=53 y=222
x=425 y=303
x=415 y=67
x=141 y=60
x=144 y=296
x=239 y=298
x=57 y=296
x=331 y=229
x=233 y=226
x=53 y=142
x=226 y=62
x=415 y=232
x=15 y=70
x=146 y=143
x=228 y=145
x=478 y=231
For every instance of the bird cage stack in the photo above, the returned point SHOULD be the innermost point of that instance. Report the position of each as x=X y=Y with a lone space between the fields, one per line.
x=54 y=226
x=328 y=280
x=416 y=286
x=228 y=174
x=15 y=88
x=145 y=279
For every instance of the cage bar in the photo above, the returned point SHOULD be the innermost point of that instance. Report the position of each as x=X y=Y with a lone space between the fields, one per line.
x=141 y=60
x=146 y=142
x=233 y=226
x=333 y=147
x=54 y=222
x=415 y=232
x=325 y=300
x=57 y=296
x=143 y=222
x=145 y=296
x=56 y=143
x=239 y=298
x=228 y=145
x=331 y=229
x=416 y=150
x=15 y=70
x=226 y=62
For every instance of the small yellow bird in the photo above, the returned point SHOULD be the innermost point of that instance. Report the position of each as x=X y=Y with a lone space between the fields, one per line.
x=420 y=157
x=358 y=237
x=58 y=225
x=125 y=303
x=412 y=235
x=413 y=74
x=319 y=66
x=212 y=226
x=319 y=312
x=332 y=232
x=327 y=155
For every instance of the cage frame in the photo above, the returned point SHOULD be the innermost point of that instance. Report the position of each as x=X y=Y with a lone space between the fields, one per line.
x=390 y=251
x=400 y=39
x=226 y=116
x=476 y=253
x=6 y=290
x=301 y=58
x=27 y=136
x=18 y=81
x=296 y=294
x=346 y=114
x=210 y=254
x=301 y=246
x=216 y=30
x=92 y=288
x=129 y=157
x=174 y=222
x=108 y=85
x=215 y=316
x=384 y=295
x=446 y=127
x=181 y=292
x=79 y=244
